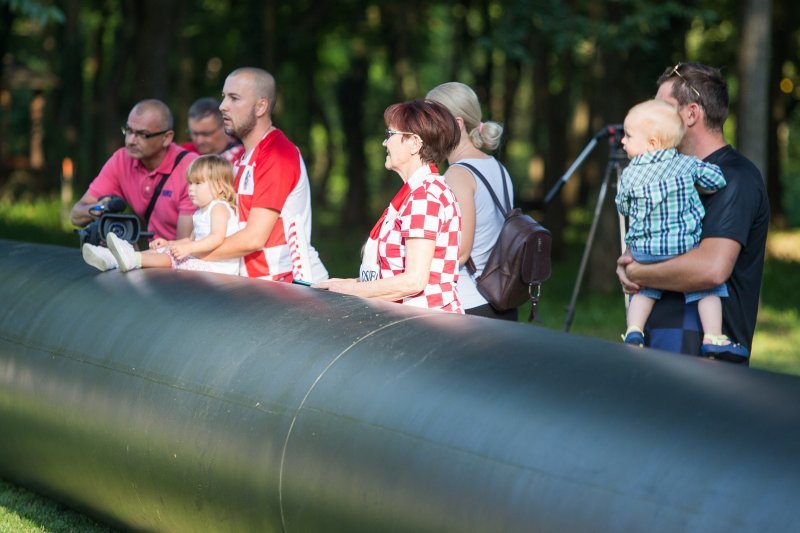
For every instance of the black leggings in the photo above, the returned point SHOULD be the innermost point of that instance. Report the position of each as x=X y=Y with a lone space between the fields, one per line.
x=488 y=311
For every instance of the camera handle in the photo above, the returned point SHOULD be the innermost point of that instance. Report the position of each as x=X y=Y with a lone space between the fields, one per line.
x=108 y=204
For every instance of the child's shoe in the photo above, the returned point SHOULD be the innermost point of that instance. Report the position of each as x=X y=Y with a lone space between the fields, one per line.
x=721 y=347
x=634 y=336
x=97 y=256
x=123 y=252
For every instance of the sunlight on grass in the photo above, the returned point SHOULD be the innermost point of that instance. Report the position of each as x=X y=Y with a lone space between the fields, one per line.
x=45 y=212
x=41 y=220
x=784 y=245
x=776 y=340
x=23 y=511
x=777 y=337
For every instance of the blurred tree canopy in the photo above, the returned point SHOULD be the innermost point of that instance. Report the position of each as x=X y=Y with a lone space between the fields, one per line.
x=552 y=71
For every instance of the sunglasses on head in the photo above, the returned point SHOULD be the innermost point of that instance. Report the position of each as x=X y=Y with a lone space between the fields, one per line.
x=676 y=72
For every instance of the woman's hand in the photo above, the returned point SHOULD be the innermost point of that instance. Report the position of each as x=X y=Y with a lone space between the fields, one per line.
x=340 y=285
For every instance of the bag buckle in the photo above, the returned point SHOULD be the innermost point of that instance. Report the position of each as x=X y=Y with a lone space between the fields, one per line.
x=534 y=299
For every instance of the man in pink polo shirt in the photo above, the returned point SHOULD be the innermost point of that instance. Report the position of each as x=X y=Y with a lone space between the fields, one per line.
x=135 y=171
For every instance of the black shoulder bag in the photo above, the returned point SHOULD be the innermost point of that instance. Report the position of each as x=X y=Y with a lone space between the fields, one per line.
x=157 y=193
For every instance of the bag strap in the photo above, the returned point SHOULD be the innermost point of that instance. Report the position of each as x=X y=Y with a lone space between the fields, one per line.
x=506 y=197
x=470 y=264
x=157 y=191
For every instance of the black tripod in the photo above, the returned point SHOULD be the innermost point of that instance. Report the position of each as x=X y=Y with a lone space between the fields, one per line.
x=617 y=159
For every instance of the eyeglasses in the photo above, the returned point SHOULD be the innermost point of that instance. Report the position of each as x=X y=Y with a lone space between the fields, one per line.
x=204 y=133
x=142 y=134
x=389 y=133
x=676 y=72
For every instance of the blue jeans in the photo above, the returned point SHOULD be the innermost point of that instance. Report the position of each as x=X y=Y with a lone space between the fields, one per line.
x=655 y=294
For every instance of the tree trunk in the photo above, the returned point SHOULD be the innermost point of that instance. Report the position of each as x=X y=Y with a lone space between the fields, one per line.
x=101 y=134
x=68 y=98
x=323 y=163
x=754 y=65
x=156 y=23
x=511 y=81
x=6 y=23
x=781 y=104
x=401 y=27
x=550 y=130
x=351 y=93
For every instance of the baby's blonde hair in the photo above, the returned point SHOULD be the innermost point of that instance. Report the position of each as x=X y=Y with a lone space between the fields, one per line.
x=218 y=172
x=659 y=120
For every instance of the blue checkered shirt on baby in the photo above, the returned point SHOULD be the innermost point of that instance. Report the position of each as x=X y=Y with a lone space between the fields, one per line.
x=657 y=191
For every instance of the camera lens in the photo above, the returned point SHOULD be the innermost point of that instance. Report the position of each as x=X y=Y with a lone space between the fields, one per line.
x=126 y=227
x=119 y=229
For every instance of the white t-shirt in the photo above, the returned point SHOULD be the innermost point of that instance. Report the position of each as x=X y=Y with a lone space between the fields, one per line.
x=201 y=219
x=488 y=223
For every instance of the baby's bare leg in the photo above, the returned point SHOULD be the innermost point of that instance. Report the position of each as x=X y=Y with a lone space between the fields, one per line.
x=710 y=311
x=639 y=311
x=153 y=259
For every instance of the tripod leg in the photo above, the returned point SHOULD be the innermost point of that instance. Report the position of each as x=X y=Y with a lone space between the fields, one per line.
x=598 y=208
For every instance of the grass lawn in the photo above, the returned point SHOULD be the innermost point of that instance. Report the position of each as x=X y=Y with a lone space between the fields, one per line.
x=597 y=315
x=22 y=511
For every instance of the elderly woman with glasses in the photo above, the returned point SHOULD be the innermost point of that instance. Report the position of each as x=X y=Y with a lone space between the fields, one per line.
x=411 y=256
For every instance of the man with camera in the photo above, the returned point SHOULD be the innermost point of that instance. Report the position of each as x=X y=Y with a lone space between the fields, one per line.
x=148 y=173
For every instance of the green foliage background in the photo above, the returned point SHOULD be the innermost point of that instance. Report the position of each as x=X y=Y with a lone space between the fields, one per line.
x=553 y=72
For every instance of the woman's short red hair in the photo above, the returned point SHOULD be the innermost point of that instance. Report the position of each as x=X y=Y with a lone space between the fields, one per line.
x=431 y=122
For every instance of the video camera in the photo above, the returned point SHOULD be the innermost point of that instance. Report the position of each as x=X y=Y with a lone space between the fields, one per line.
x=111 y=219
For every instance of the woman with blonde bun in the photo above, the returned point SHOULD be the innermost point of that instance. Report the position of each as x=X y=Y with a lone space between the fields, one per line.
x=481 y=221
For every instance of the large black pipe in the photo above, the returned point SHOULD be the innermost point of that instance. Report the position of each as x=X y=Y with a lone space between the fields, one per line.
x=181 y=401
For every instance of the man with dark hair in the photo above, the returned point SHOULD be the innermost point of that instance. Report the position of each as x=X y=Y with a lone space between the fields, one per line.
x=206 y=131
x=149 y=159
x=735 y=226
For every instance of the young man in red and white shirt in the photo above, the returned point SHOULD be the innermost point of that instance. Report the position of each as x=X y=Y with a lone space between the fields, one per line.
x=273 y=193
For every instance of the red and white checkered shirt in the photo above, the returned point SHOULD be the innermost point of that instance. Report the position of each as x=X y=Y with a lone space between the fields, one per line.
x=429 y=212
x=274 y=177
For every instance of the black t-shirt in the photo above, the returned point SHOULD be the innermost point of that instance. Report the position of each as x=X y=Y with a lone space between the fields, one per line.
x=740 y=211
